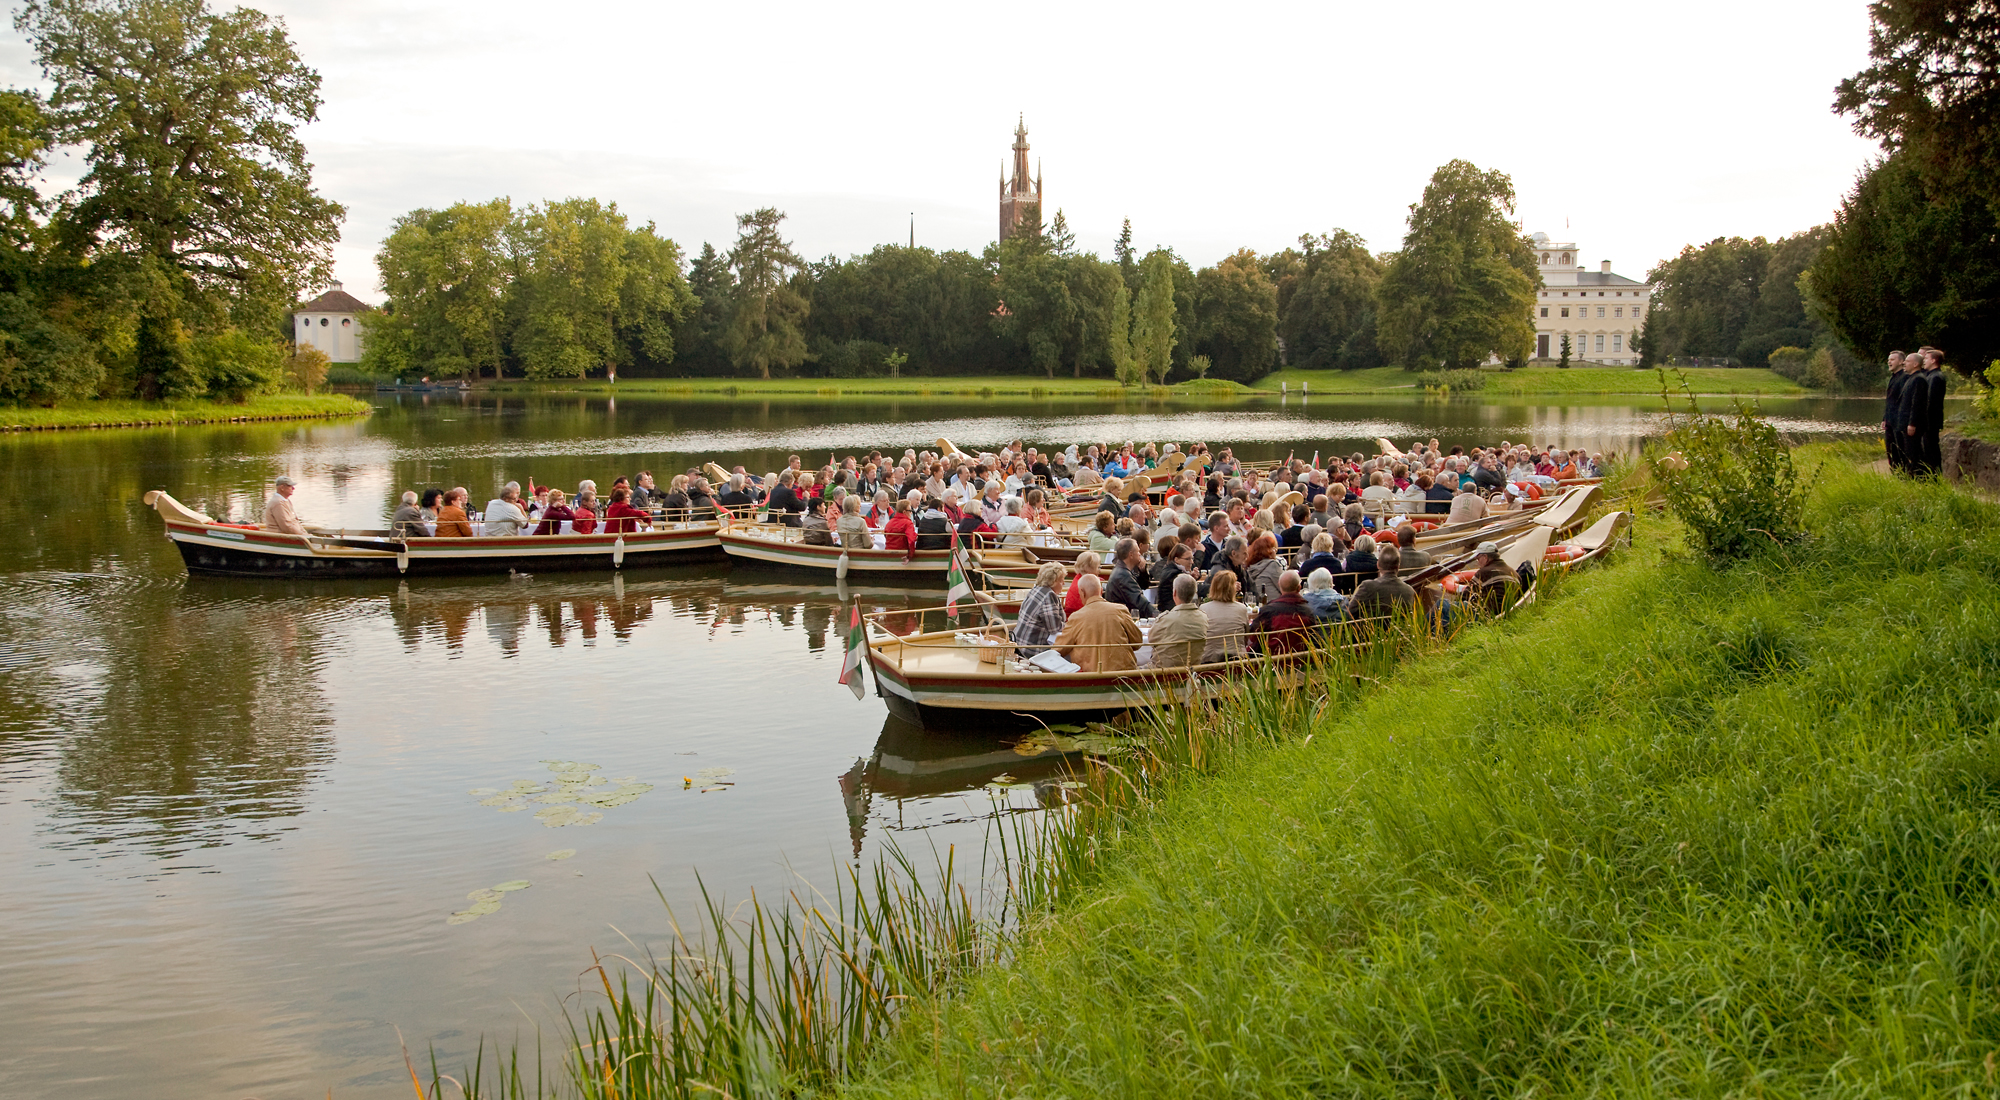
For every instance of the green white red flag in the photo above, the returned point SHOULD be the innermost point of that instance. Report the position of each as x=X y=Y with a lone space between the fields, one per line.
x=956 y=586
x=857 y=651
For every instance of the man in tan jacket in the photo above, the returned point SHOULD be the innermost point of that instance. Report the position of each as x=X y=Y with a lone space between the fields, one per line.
x=278 y=514
x=1101 y=636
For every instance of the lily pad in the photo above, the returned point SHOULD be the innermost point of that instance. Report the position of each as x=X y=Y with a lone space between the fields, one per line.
x=562 y=853
x=510 y=887
x=501 y=800
x=481 y=792
x=483 y=894
x=555 y=817
x=463 y=916
x=714 y=773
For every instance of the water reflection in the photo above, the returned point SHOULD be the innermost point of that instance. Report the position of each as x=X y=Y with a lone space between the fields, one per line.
x=903 y=784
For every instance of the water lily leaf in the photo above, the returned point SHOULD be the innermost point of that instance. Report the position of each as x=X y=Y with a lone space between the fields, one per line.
x=1065 y=729
x=510 y=887
x=484 y=906
x=553 y=797
x=714 y=773
x=525 y=785
x=463 y=916
x=500 y=800
x=514 y=809
x=481 y=792
x=562 y=853
x=587 y=819
x=555 y=817
x=483 y=894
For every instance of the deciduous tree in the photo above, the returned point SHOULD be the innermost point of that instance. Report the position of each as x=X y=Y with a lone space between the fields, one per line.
x=1464 y=284
x=1237 y=311
x=1153 y=330
x=445 y=273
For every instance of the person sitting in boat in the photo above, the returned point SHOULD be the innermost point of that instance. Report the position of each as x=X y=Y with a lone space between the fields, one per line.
x=504 y=515
x=1227 y=620
x=1179 y=636
x=674 y=501
x=1322 y=556
x=1100 y=636
x=1495 y=581
x=621 y=518
x=1042 y=617
x=818 y=532
x=1327 y=603
x=899 y=531
x=1127 y=587
x=850 y=530
x=1413 y=559
x=408 y=522
x=1013 y=527
x=933 y=526
x=1087 y=564
x=1176 y=561
x=558 y=510
x=1468 y=505
x=1387 y=594
x=451 y=519
x=1285 y=623
x=585 y=509
x=786 y=504
x=738 y=494
x=1261 y=567
x=1103 y=532
x=278 y=513
x=701 y=501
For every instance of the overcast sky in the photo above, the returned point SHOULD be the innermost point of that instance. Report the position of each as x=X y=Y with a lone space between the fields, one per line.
x=1212 y=126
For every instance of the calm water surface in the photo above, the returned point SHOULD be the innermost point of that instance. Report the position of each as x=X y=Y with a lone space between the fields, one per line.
x=237 y=814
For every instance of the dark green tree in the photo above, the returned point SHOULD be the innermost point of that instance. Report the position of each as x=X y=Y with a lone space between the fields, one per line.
x=1463 y=286
x=1905 y=265
x=1326 y=302
x=1932 y=89
x=1036 y=310
x=1121 y=254
x=770 y=306
x=1155 y=332
x=702 y=334
x=1237 y=318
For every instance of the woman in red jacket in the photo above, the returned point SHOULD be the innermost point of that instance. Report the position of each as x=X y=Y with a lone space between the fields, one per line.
x=621 y=518
x=900 y=533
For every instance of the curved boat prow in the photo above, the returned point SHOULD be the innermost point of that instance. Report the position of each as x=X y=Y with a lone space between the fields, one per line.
x=159 y=500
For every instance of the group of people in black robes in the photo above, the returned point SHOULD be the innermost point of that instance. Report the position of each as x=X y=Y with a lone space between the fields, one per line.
x=1913 y=412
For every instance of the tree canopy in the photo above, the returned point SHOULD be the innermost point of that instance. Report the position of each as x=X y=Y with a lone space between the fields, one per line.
x=1463 y=286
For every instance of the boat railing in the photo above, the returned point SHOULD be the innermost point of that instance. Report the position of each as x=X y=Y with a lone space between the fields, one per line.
x=1245 y=647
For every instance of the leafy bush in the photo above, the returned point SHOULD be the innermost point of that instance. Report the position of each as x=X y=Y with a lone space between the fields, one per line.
x=1987 y=400
x=306 y=368
x=236 y=365
x=1445 y=381
x=1729 y=480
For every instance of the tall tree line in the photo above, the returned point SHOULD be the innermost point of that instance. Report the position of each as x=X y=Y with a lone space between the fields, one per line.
x=168 y=270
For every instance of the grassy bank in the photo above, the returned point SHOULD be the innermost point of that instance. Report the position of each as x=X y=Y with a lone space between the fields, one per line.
x=146 y=414
x=1014 y=385
x=1676 y=832
x=1549 y=381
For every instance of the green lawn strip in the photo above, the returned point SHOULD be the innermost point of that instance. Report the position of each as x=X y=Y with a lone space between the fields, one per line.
x=1002 y=386
x=142 y=414
x=1535 y=381
x=1675 y=831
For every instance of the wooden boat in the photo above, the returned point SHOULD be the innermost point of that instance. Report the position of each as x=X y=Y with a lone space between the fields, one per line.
x=209 y=546
x=777 y=545
x=1593 y=543
x=944 y=674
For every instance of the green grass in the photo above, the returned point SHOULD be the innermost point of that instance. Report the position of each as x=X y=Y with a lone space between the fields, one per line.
x=1013 y=385
x=140 y=414
x=1536 y=381
x=1674 y=832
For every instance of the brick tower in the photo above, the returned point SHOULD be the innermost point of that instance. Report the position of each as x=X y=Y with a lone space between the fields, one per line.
x=1019 y=194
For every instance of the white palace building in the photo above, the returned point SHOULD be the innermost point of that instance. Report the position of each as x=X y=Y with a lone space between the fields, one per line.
x=1600 y=312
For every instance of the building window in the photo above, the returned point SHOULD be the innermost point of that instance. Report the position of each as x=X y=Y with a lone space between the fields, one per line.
x=1600 y=312
x=1565 y=259
x=1565 y=311
x=346 y=322
x=1617 y=342
x=1545 y=311
x=1545 y=257
x=1600 y=342
x=323 y=322
x=1618 y=311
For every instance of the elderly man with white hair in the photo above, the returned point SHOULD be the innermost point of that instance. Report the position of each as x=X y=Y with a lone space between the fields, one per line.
x=504 y=514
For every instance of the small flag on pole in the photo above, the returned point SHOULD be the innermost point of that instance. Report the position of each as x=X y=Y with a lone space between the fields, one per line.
x=857 y=649
x=956 y=586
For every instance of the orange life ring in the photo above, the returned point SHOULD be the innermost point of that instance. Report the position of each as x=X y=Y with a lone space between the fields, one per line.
x=1422 y=525
x=1457 y=582
x=1562 y=553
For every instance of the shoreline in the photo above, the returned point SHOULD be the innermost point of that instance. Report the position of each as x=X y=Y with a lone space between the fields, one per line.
x=135 y=414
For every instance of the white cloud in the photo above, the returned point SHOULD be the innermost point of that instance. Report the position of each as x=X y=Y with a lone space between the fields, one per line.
x=1211 y=127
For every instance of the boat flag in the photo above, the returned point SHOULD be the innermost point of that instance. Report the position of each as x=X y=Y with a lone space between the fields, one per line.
x=857 y=646
x=957 y=588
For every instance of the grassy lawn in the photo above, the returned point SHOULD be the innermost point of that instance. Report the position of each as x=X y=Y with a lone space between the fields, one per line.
x=1535 y=381
x=140 y=414
x=1677 y=831
x=1012 y=385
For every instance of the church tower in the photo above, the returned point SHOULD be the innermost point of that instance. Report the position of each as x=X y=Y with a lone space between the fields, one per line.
x=1019 y=194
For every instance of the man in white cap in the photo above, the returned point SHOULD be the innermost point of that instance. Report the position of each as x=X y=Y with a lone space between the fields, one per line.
x=278 y=514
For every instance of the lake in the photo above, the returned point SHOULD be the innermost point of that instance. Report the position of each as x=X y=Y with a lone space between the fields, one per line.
x=239 y=815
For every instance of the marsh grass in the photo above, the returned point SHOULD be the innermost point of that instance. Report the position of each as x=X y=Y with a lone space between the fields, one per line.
x=1681 y=831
